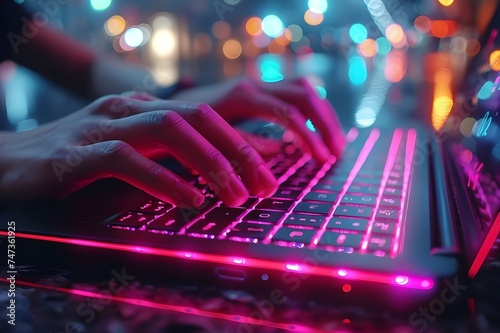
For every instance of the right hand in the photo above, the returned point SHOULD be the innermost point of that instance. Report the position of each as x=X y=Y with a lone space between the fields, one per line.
x=116 y=136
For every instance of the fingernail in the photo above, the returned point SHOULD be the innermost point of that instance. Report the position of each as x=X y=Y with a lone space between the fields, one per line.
x=237 y=188
x=266 y=180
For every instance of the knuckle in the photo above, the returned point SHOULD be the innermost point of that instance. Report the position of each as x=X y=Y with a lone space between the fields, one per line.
x=112 y=149
x=203 y=110
x=215 y=155
x=248 y=152
x=165 y=119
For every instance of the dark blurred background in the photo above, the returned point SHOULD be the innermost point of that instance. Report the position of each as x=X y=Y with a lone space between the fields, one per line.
x=356 y=52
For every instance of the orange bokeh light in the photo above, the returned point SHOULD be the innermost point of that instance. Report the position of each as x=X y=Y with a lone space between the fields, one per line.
x=446 y=3
x=443 y=98
x=368 y=48
x=313 y=18
x=254 y=26
x=276 y=48
x=396 y=35
x=443 y=28
x=495 y=60
x=232 y=49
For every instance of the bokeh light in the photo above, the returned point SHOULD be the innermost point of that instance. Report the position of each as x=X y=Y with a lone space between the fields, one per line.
x=296 y=31
x=357 y=70
x=358 y=33
x=164 y=43
x=133 y=37
x=318 y=6
x=466 y=126
x=396 y=35
x=384 y=46
x=446 y=3
x=221 y=29
x=254 y=26
x=423 y=24
x=369 y=48
x=495 y=60
x=313 y=18
x=321 y=92
x=486 y=90
x=115 y=25
x=270 y=68
x=272 y=26
x=100 y=4
x=232 y=49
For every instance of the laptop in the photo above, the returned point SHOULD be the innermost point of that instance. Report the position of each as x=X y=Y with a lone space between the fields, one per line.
x=405 y=213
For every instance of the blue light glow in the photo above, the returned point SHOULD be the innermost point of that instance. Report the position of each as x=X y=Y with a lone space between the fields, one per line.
x=486 y=90
x=384 y=46
x=318 y=6
x=100 y=4
x=310 y=125
x=321 y=92
x=358 y=33
x=270 y=68
x=272 y=26
x=357 y=70
x=133 y=37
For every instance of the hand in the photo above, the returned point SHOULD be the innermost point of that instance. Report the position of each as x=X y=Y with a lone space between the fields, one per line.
x=116 y=136
x=289 y=103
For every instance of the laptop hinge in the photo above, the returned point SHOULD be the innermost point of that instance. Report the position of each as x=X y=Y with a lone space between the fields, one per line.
x=444 y=239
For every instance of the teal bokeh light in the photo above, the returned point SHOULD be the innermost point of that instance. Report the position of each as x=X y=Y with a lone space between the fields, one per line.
x=357 y=70
x=358 y=33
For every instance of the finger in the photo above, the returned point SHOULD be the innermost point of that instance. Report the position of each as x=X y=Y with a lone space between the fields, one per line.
x=118 y=159
x=301 y=94
x=167 y=130
x=245 y=160
x=276 y=110
x=266 y=147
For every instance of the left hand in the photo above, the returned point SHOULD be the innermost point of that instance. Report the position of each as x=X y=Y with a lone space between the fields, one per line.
x=289 y=103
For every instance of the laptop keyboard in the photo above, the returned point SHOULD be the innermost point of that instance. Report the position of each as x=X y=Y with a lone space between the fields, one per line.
x=352 y=205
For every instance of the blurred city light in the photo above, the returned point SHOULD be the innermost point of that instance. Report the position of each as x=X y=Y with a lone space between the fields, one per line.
x=495 y=60
x=254 y=26
x=270 y=67
x=115 y=25
x=296 y=32
x=423 y=24
x=318 y=6
x=133 y=37
x=358 y=33
x=446 y=3
x=368 y=49
x=384 y=46
x=100 y=4
x=272 y=26
x=221 y=29
x=357 y=70
x=232 y=49
x=443 y=98
x=396 y=35
x=164 y=43
x=313 y=18
x=395 y=66
x=486 y=90
x=321 y=92
x=373 y=100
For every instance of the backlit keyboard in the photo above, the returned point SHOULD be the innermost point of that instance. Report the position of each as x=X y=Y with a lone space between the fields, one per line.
x=352 y=205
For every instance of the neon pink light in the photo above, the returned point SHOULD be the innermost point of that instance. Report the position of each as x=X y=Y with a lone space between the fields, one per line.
x=255 y=322
x=401 y=280
x=426 y=284
x=342 y=272
x=363 y=155
x=293 y=267
x=352 y=135
x=485 y=247
x=239 y=261
x=415 y=282
x=391 y=157
x=410 y=152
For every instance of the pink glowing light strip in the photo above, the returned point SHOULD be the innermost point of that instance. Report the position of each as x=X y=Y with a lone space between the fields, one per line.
x=391 y=157
x=352 y=134
x=390 y=279
x=363 y=155
x=485 y=247
x=410 y=152
x=246 y=320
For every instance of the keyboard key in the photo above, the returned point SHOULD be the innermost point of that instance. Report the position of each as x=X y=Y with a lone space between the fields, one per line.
x=152 y=207
x=390 y=202
x=287 y=193
x=387 y=214
x=347 y=224
x=131 y=220
x=384 y=228
x=296 y=182
x=363 y=189
x=379 y=243
x=294 y=235
x=359 y=200
x=264 y=216
x=250 y=230
x=394 y=182
x=393 y=191
x=225 y=213
x=318 y=196
x=353 y=211
x=328 y=187
x=312 y=208
x=247 y=204
x=304 y=220
x=333 y=238
x=275 y=204
x=172 y=221
x=209 y=227
x=363 y=173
